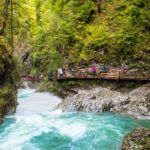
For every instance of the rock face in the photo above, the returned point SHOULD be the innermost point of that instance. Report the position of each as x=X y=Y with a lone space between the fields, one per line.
x=96 y=100
x=135 y=103
x=8 y=82
x=138 y=139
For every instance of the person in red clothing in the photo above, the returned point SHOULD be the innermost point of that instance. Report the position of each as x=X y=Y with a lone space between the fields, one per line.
x=93 y=69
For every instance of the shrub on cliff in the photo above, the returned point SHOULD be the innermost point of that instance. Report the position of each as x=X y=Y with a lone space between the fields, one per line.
x=9 y=80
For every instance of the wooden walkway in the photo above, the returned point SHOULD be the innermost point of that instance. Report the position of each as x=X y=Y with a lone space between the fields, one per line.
x=137 y=76
x=115 y=76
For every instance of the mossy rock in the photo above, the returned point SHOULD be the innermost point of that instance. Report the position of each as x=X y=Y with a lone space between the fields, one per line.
x=138 y=139
x=4 y=90
x=9 y=80
x=3 y=103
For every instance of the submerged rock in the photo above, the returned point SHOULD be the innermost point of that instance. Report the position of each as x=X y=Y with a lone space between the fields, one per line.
x=136 y=103
x=138 y=139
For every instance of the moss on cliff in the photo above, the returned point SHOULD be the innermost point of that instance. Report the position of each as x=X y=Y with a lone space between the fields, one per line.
x=9 y=80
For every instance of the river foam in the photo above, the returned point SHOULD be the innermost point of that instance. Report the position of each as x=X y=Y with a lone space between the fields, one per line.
x=35 y=116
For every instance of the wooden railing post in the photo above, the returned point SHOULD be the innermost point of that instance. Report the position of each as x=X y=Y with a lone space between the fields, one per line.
x=118 y=75
x=135 y=75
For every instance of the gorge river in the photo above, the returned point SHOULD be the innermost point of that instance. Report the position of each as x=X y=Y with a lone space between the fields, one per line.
x=37 y=125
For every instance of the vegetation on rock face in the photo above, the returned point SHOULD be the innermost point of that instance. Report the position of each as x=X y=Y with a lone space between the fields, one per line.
x=77 y=32
x=64 y=88
x=8 y=71
x=70 y=32
x=8 y=81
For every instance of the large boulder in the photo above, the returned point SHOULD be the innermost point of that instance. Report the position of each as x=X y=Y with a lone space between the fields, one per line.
x=96 y=100
x=138 y=139
x=136 y=103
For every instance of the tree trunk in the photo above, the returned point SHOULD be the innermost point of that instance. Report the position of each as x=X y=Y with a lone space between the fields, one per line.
x=11 y=26
x=98 y=6
x=5 y=16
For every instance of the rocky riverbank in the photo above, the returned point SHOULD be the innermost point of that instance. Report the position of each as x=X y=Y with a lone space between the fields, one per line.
x=135 y=103
x=138 y=139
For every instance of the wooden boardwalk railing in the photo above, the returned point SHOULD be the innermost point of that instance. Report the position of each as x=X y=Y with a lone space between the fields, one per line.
x=116 y=75
x=135 y=76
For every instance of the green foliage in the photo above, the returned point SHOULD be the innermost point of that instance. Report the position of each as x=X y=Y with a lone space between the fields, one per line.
x=8 y=65
x=72 y=32
x=9 y=79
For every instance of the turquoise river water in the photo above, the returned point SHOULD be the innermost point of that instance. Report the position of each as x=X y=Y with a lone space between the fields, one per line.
x=38 y=126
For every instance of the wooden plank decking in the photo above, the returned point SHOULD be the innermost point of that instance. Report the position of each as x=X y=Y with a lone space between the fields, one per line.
x=116 y=75
x=110 y=76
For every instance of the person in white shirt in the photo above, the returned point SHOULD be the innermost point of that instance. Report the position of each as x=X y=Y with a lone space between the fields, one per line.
x=60 y=72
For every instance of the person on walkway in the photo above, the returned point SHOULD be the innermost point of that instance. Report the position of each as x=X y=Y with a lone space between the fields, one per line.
x=104 y=69
x=93 y=69
x=60 y=72
x=51 y=76
x=41 y=77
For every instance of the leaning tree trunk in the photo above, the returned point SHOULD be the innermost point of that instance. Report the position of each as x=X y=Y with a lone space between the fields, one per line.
x=5 y=16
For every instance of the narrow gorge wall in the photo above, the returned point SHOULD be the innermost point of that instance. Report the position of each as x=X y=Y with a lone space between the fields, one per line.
x=8 y=81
